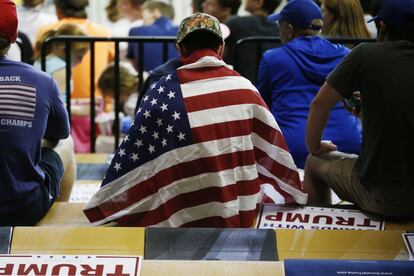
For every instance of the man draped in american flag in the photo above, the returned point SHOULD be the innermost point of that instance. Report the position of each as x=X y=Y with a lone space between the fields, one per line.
x=203 y=150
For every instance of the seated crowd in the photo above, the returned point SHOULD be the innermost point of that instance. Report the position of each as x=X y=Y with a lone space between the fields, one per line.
x=205 y=145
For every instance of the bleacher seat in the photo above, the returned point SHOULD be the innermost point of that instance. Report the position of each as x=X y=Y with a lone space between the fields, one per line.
x=78 y=240
x=341 y=244
x=65 y=214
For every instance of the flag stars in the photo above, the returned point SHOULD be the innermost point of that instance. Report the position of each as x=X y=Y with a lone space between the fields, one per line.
x=168 y=77
x=134 y=156
x=145 y=98
x=154 y=101
x=153 y=86
x=139 y=110
x=159 y=122
x=138 y=143
x=117 y=166
x=160 y=89
x=126 y=139
x=151 y=148
x=164 y=107
x=143 y=129
x=171 y=94
x=121 y=152
x=147 y=114
x=181 y=136
x=176 y=115
x=164 y=142
x=155 y=135
x=169 y=129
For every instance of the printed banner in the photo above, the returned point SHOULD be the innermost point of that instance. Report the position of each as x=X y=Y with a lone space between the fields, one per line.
x=296 y=217
x=70 y=265
x=334 y=267
x=409 y=243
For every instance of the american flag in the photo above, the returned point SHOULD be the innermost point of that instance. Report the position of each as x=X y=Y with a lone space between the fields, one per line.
x=17 y=101
x=202 y=151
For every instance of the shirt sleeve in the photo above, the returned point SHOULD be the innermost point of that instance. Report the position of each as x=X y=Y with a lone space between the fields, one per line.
x=346 y=77
x=58 y=120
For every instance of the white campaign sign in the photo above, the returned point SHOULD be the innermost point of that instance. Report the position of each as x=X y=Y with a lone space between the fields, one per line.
x=296 y=217
x=409 y=243
x=70 y=265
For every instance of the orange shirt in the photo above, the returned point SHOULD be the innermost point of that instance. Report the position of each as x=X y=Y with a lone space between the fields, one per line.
x=104 y=53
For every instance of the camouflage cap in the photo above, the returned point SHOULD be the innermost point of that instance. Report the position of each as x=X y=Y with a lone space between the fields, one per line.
x=199 y=22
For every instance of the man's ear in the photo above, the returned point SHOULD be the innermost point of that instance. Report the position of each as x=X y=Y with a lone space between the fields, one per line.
x=181 y=49
x=220 y=50
x=291 y=32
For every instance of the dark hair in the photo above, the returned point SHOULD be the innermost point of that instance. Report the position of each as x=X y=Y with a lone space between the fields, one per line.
x=375 y=7
x=198 y=5
x=401 y=33
x=72 y=8
x=137 y=2
x=32 y=3
x=366 y=5
x=234 y=5
x=201 y=40
x=4 y=46
x=269 y=6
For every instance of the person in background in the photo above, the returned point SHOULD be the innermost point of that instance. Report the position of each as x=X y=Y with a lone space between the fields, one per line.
x=157 y=16
x=291 y=75
x=197 y=5
x=128 y=87
x=222 y=9
x=381 y=178
x=55 y=54
x=32 y=17
x=131 y=10
x=37 y=159
x=343 y=19
x=74 y=12
x=203 y=150
x=255 y=24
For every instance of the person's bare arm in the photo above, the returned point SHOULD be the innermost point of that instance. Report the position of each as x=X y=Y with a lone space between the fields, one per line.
x=321 y=105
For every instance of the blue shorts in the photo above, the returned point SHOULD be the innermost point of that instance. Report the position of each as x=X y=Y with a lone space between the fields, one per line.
x=48 y=192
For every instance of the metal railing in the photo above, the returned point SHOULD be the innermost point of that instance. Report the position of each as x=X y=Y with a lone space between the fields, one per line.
x=68 y=40
x=260 y=41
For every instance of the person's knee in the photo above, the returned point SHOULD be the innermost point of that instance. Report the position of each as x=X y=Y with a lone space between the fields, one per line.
x=317 y=165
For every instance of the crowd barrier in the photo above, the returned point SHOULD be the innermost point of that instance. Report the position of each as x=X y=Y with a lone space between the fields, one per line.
x=259 y=42
x=68 y=40
x=262 y=43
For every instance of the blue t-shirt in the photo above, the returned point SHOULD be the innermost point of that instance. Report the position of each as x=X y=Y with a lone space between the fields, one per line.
x=30 y=109
x=153 y=51
x=289 y=78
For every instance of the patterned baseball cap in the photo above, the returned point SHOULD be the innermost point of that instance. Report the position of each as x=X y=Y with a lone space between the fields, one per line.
x=199 y=22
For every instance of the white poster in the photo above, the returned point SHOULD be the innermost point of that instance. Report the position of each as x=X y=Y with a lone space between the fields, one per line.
x=307 y=217
x=409 y=243
x=70 y=265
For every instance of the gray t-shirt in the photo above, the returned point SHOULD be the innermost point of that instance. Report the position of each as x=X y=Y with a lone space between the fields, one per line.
x=384 y=74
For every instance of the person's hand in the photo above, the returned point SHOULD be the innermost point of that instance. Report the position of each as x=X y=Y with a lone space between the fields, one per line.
x=354 y=105
x=325 y=146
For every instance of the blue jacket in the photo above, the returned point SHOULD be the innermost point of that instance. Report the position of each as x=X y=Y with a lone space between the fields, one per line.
x=153 y=51
x=289 y=78
x=30 y=109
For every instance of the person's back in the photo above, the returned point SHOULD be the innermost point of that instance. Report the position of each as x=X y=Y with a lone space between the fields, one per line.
x=162 y=25
x=203 y=150
x=255 y=24
x=289 y=78
x=384 y=77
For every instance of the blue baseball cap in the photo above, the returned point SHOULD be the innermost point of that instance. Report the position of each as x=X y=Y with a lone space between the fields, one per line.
x=303 y=13
x=398 y=13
